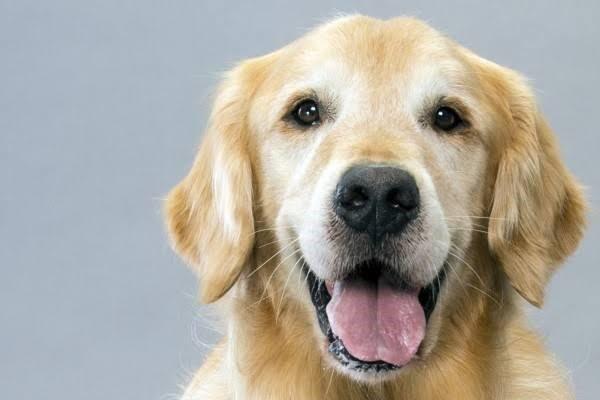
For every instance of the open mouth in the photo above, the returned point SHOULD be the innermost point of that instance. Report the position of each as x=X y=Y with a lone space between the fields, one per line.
x=372 y=324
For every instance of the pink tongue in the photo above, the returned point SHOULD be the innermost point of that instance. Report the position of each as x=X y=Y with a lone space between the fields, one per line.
x=377 y=322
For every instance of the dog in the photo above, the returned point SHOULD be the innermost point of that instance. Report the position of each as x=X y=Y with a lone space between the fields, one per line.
x=371 y=205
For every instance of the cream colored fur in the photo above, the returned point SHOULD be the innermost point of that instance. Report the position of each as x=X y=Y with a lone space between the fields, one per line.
x=511 y=210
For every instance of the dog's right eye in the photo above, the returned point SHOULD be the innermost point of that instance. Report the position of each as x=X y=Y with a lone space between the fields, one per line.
x=306 y=113
x=446 y=119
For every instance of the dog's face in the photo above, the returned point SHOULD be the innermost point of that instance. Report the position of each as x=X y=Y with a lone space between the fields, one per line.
x=380 y=157
x=376 y=157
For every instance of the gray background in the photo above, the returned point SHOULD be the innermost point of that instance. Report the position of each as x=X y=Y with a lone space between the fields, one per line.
x=101 y=107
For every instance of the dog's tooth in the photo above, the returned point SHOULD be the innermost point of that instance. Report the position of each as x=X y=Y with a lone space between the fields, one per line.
x=330 y=285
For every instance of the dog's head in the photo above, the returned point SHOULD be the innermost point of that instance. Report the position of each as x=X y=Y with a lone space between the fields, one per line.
x=366 y=172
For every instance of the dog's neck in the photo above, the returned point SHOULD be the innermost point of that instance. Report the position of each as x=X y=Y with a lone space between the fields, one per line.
x=277 y=356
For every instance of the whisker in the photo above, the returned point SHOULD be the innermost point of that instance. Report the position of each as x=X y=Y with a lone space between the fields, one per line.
x=484 y=293
x=468 y=265
x=468 y=230
x=474 y=216
x=273 y=256
x=270 y=243
x=262 y=296
x=272 y=229
x=470 y=224
x=473 y=287
x=460 y=280
x=330 y=380
x=480 y=290
x=284 y=289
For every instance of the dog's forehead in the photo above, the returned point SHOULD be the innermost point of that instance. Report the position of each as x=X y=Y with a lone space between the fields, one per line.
x=359 y=56
x=370 y=42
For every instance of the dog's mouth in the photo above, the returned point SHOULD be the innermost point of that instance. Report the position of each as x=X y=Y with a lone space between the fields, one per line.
x=373 y=324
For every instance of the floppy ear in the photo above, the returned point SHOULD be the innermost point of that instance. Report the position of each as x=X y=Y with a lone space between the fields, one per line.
x=538 y=209
x=209 y=214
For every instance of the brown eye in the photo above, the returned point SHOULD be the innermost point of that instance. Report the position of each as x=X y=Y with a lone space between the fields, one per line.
x=446 y=119
x=307 y=113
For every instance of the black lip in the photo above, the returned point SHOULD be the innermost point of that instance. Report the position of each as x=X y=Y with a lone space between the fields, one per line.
x=320 y=298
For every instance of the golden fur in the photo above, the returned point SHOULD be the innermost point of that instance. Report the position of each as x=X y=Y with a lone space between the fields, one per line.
x=523 y=215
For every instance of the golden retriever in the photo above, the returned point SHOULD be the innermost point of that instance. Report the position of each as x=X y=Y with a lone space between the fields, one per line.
x=371 y=202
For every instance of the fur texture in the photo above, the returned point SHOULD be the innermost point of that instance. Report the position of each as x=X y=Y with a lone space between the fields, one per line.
x=252 y=200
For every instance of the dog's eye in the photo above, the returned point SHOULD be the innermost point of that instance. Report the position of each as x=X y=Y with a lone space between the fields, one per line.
x=446 y=119
x=306 y=113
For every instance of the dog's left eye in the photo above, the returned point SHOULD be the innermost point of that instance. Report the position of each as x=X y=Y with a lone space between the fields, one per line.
x=306 y=113
x=446 y=119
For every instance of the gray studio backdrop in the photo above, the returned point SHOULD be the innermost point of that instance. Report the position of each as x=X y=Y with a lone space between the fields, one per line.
x=102 y=104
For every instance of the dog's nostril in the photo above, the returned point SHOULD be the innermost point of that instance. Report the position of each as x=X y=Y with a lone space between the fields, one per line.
x=377 y=199
x=353 y=197
x=402 y=199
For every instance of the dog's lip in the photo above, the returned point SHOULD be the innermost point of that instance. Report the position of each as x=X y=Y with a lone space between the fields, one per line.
x=320 y=296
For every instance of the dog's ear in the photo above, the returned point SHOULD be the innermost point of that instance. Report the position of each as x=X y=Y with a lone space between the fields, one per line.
x=210 y=212
x=538 y=210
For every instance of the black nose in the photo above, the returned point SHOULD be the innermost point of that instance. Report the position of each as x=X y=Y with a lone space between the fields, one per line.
x=377 y=199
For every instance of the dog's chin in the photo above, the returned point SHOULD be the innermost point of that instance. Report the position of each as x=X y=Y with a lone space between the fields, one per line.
x=402 y=335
